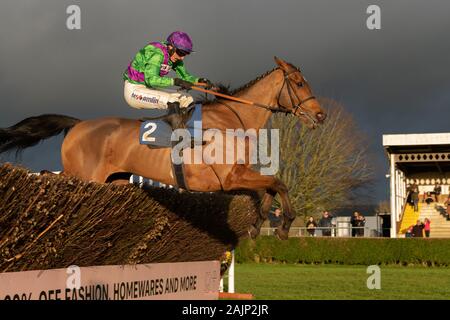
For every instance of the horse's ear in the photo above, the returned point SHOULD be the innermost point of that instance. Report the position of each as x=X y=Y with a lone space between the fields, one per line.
x=281 y=63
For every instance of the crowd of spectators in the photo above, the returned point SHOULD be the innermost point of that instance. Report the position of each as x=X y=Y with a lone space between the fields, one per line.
x=358 y=221
x=424 y=228
x=428 y=197
x=418 y=230
x=324 y=224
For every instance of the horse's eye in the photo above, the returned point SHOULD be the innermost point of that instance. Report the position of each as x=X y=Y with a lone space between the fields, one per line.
x=300 y=84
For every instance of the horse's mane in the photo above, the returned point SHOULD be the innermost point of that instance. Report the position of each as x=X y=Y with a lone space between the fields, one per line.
x=225 y=89
x=252 y=82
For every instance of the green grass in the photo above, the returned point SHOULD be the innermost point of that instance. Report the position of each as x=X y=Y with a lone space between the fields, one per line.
x=326 y=282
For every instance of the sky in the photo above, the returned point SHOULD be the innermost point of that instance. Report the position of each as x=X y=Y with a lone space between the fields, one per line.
x=392 y=80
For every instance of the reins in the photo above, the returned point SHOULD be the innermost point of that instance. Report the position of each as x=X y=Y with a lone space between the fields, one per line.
x=296 y=108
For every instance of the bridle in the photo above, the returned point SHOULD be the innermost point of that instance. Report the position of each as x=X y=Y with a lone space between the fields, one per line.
x=297 y=109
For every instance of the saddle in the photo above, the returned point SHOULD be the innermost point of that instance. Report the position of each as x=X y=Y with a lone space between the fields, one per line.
x=156 y=132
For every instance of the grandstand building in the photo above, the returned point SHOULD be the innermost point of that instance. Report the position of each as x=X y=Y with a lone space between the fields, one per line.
x=423 y=160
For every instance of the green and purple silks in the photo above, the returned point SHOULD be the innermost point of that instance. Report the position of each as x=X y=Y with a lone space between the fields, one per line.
x=151 y=65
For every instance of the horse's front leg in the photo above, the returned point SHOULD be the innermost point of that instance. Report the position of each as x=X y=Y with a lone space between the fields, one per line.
x=266 y=204
x=242 y=177
x=288 y=213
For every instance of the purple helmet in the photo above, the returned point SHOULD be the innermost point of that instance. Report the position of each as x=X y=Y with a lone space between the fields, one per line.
x=180 y=40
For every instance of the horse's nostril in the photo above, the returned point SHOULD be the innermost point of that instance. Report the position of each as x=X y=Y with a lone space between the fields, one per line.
x=320 y=116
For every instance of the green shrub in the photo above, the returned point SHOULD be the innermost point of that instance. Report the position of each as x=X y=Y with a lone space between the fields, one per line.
x=349 y=251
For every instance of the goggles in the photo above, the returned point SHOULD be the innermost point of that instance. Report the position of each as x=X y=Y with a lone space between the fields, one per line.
x=181 y=53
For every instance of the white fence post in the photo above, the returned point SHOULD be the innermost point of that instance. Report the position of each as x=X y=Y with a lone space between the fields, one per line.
x=231 y=274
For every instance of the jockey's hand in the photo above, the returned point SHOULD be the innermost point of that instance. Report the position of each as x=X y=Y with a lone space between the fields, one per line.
x=186 y=85
x=209 y=84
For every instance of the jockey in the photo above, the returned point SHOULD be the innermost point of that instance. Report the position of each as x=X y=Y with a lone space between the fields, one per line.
x=146 y=81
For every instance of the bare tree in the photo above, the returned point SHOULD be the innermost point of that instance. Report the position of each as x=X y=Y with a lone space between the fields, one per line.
x=326 y=167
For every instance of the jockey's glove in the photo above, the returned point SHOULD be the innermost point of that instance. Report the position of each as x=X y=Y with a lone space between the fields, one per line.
x=208 y=83
x=186 y=85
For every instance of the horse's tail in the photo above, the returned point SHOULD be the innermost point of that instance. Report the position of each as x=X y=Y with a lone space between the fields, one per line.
x=31 y=131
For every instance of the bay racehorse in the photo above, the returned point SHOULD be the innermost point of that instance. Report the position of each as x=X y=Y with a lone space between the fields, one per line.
x=108 y=149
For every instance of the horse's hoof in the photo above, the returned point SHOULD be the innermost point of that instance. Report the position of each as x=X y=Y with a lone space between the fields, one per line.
x=281 y=234
x=253 y=232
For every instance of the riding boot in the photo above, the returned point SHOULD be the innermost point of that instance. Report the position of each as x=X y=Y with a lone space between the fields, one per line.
x=174 y=116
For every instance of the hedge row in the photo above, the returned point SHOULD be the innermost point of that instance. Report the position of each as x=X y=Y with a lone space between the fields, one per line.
x=349 y=251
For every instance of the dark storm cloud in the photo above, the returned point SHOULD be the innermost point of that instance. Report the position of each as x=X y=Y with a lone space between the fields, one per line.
x=394 y=80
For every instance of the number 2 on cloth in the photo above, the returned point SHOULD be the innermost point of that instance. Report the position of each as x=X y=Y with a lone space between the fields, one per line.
x=146 y=136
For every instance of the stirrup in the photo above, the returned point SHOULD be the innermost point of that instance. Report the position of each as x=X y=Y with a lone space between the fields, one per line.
x=173 y=108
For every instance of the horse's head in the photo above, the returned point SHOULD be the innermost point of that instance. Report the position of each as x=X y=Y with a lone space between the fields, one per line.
x=296 y=96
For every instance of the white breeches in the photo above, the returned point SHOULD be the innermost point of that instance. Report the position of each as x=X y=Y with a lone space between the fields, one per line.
x=140 y=97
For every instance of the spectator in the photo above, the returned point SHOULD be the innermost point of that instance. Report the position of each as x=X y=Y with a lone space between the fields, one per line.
x=311 y=226
x=275 y=218
x=437 y=192
x=361 y=224
x=326 y=224
x=415 y=198
x=354 y=223
x=417 y=229
x=409 y=198
x=447 y=203
x=427 y=227
x=408 y=233
x=428 y=198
